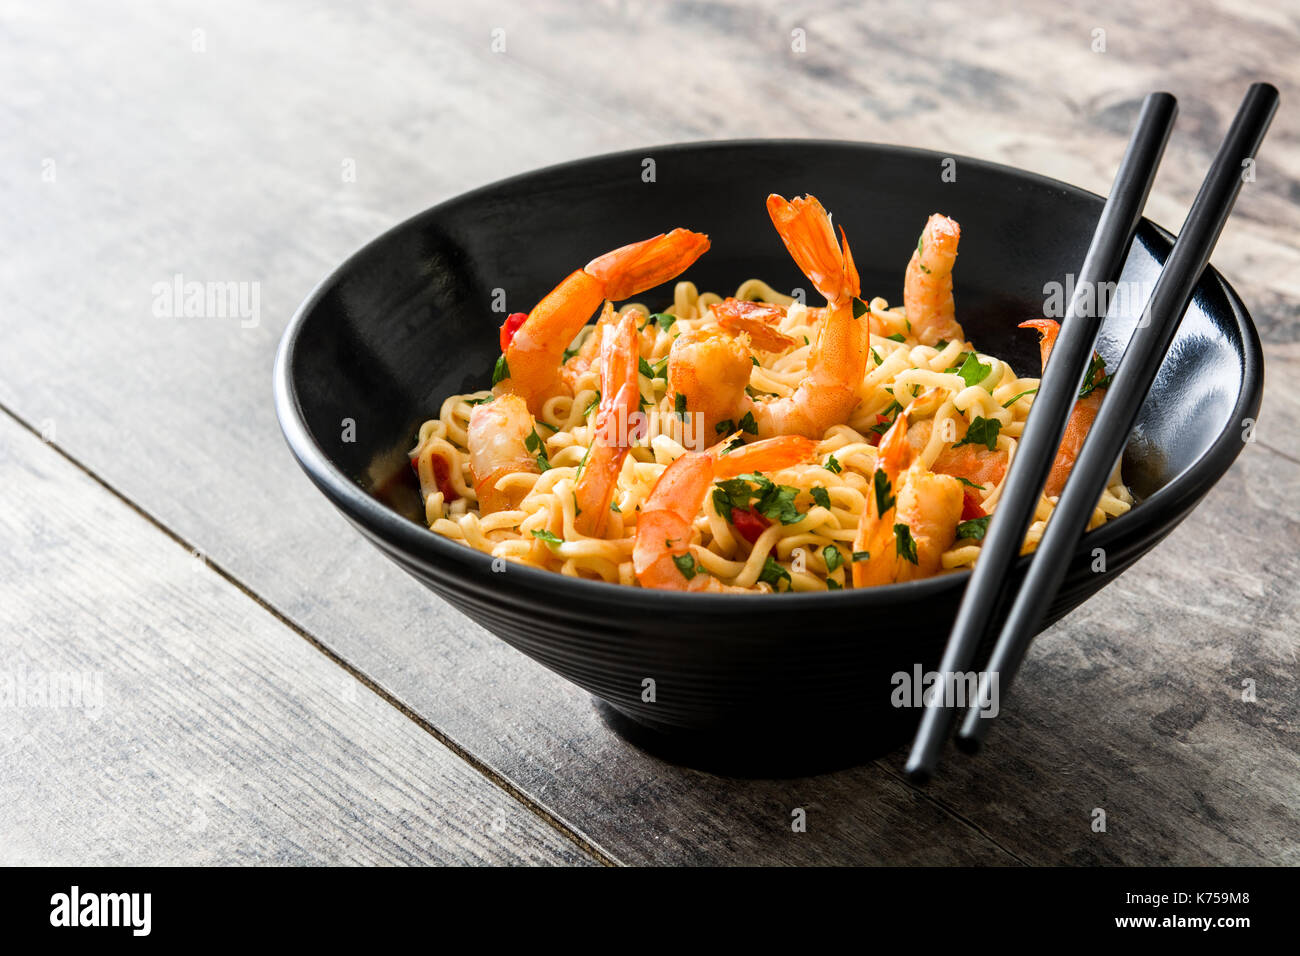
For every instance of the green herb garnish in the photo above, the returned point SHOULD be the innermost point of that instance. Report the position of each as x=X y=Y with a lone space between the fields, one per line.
x=1019 y=397
x=831 y=555
x=903 y=542
x=975 y=529
x=1096 y=377
x=973 y=371
x=884 y=492
x=686 y=564
x=551 y=539
x=773 y=573
x=982 y=431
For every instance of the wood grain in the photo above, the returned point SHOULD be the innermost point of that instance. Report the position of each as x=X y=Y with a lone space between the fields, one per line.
x=228 y=164
x=153 y=714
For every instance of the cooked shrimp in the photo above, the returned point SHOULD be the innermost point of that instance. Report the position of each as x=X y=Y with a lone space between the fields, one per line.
x=498 y=437
x=534 y=351
x=973 y=462
x=907 y=538
x=712 y=377
x=1085 y=409
x=710 y=368
x=665 y=526
x=927 y=286
x=620 y=397
x=756 y=320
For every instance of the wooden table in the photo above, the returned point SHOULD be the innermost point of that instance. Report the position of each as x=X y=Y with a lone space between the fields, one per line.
x=256 y=684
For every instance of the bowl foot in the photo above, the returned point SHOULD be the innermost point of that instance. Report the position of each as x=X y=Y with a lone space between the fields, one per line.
x=754 y=752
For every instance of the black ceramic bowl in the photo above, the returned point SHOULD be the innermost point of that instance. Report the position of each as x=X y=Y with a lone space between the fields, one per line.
x=759 y=680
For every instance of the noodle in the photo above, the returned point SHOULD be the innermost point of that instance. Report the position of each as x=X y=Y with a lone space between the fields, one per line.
x=814 y=551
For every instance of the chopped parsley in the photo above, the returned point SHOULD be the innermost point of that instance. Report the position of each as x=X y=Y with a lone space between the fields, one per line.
x=833 y=466
x=1019 y=397
x=972 y=370
x=773 y=573
x=975 y=529
x=502 y=370
x=884 y=492
x=891 y=411
x=968 y=483
x=772 y=501
x=861 y=556
x=833 y=585
x=903 y=542
x=896 y=337
x=822 y=497
x=686 y=564
x=747 y=424
x=644 y=368
x=581 y=466
x=550 y=538
x=876 y=355
x=859 y=308
x=592 y=405
x=533 y=443
x=1096 y=377
x=663 y=320
x=982 y=431
x=831 y=555
x=725 y=427
x=679 y=406
x=613 y=506
x=568 y=354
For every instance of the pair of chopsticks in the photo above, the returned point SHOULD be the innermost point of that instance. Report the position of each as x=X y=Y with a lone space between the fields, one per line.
x=1060 y=385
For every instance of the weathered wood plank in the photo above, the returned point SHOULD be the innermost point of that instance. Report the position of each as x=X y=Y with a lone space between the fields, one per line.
x=151 y=713
x=1135 y=703
x=176 y=412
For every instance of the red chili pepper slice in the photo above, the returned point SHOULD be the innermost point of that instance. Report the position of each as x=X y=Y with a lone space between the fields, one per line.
x=749 y=524
x=510 y=326
x=970 y=505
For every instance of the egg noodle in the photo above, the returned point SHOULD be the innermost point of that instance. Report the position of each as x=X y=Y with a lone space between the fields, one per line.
x=812 y=553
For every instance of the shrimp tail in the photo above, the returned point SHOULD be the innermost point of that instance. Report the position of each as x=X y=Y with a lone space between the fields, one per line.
x=639 y=266
x=620 y=397
x=1048 y=330
x=805 y=228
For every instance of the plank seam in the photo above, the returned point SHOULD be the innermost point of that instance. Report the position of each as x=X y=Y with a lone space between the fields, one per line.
x=493 y=777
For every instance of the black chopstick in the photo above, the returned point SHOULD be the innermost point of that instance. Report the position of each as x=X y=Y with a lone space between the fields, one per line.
x=1119 y=409
x=1045 y=426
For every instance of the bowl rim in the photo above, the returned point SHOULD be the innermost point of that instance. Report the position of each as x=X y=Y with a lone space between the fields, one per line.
x=431 y=549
